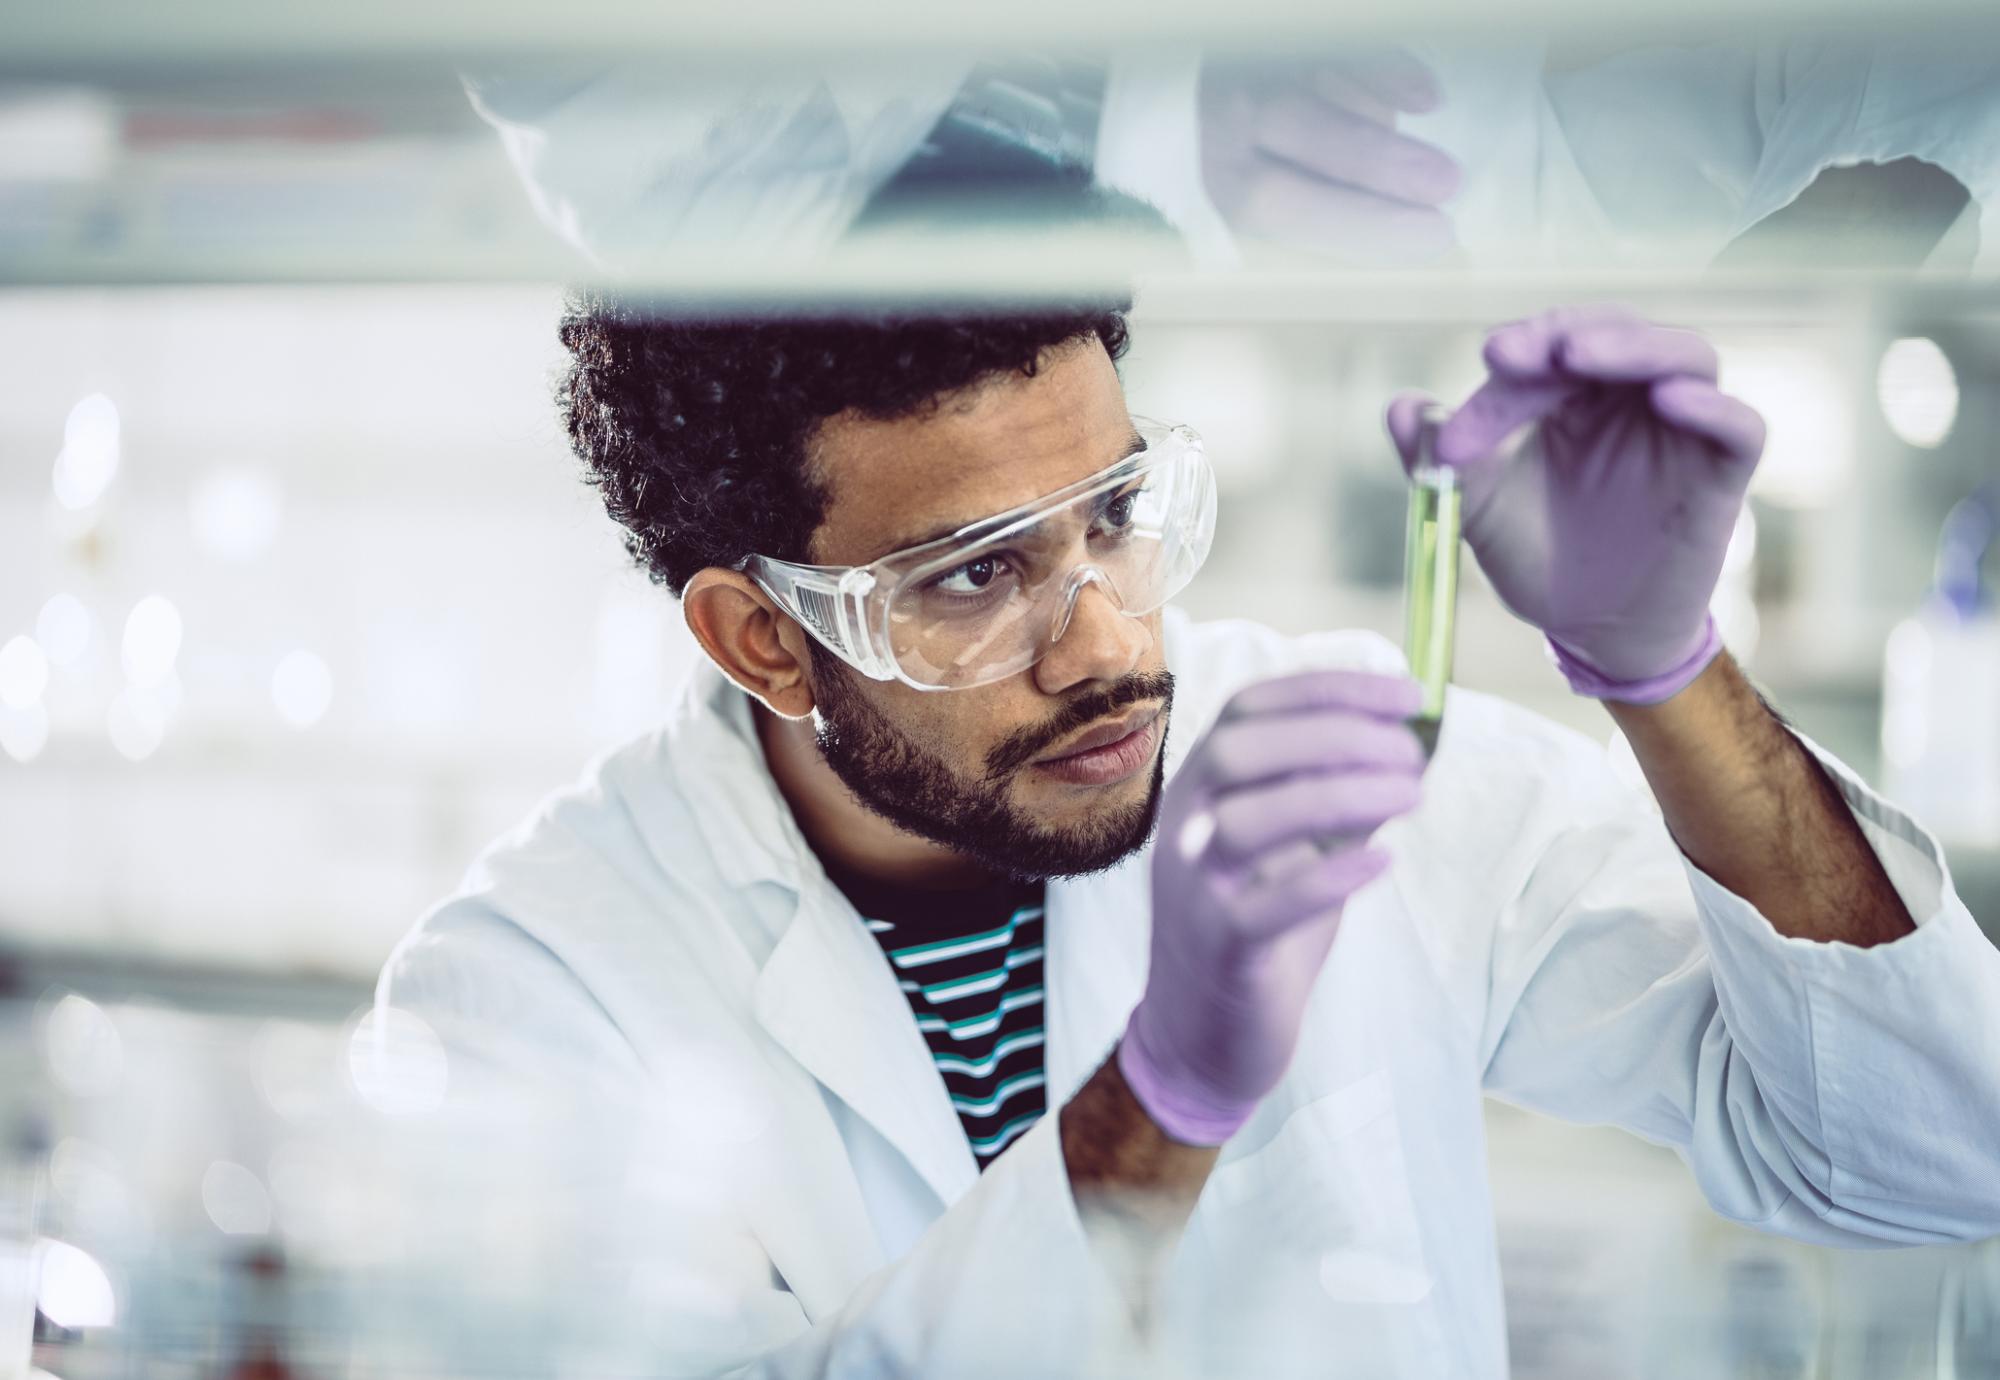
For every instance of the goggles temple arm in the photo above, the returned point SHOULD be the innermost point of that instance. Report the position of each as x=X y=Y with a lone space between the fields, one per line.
x=851 y=604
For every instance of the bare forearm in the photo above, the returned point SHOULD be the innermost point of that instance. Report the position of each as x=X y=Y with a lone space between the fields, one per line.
x=1134 y=1187
x=1749 y=805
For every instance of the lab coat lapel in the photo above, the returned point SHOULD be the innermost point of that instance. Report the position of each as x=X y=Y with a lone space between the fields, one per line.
x=1096 y=934
x=1099 y=927
x=828 y=996
x=825 y=992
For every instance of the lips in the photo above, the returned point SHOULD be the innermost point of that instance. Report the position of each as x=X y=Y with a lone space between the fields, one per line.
x=1108 y=733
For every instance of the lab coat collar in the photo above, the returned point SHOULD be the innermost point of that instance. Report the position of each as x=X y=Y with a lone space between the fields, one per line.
x=825 y=993
x=1096 y=931
x=744 y=821
x=828 y=996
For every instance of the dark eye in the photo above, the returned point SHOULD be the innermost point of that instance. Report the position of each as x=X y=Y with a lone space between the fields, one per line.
x=970 y=578
x=1118 y=512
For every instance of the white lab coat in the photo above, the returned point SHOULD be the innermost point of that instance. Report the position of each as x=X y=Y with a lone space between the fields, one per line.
x=664 y=929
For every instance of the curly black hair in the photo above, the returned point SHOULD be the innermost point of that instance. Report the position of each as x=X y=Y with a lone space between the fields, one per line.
x=694 y=428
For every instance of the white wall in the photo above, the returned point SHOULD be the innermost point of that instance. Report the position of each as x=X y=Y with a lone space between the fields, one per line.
x=436 y=549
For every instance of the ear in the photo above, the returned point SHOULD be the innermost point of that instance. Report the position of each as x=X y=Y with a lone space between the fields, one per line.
x=756 y=643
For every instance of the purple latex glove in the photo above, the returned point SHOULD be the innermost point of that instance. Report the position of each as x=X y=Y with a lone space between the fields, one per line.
x=1308 y=154
x=1262 y=838
x=1606 y=526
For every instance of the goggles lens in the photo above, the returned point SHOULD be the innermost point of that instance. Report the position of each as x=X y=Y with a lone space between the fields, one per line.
x=989 y=600
x=983 y=608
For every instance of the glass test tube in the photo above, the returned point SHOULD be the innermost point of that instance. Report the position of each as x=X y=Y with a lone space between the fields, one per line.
x=1430 y=576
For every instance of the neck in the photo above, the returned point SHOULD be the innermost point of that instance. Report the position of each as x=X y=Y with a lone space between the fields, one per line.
x=842 y=830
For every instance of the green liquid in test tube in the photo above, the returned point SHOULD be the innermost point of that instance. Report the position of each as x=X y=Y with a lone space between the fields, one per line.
x=1430 y=576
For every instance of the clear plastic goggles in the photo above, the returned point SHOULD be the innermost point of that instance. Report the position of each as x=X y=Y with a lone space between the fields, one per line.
x=991 y=598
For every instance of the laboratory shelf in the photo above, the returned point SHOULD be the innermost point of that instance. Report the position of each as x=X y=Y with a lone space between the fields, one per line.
x=222 y=143
x=205 y=31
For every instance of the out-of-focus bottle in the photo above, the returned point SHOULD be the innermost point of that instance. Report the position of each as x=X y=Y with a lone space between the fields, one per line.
x=259 y=1319
x=1969 y=1315
x=1941 y=688
x=22 y=1158
x=1430 y=575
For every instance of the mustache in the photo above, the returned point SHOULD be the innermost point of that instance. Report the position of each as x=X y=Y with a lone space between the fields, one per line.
x=1022 y=746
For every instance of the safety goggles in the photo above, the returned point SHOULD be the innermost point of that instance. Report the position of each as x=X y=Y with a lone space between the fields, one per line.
x=991 y=598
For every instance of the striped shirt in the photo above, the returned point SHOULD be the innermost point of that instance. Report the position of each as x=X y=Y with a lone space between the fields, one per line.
x=970 y=964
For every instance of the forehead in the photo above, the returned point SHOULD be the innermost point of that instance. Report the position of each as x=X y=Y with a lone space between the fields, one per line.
x=996 y=445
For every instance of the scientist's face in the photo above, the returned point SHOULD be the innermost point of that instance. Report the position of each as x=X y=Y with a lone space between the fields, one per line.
x=966 y=768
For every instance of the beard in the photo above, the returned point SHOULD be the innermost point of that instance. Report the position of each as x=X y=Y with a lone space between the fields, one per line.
x=911 y=787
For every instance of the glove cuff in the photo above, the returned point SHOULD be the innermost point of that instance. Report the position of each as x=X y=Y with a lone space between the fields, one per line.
x=1189 y=1120
x=1586 y=679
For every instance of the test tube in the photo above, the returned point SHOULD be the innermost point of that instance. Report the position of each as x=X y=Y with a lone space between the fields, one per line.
x=1430 y=575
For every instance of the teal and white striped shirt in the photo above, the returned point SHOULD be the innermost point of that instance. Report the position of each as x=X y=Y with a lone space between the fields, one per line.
x=970 y=964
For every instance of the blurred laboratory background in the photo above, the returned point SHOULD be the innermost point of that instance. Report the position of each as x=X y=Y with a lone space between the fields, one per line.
x=303 y=599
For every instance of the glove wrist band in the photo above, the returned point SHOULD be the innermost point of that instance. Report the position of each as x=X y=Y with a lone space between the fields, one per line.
x=1188 y=1120
x=1586 y=679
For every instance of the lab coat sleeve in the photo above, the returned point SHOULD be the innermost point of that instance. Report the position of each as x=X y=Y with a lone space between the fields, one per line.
x=1704 y=142
x=1836 y=104
x=1003 y=1283
x=498 y=1000
x=1818 y=1090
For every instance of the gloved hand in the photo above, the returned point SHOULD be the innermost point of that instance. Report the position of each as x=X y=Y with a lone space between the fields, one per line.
x=1606 y=527
x=1245 y=903
x=1309 y=155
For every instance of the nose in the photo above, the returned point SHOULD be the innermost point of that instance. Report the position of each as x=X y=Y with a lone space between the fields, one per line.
x=1092 y=639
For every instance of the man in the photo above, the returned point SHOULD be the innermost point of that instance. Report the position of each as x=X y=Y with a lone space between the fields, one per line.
x=974 y=915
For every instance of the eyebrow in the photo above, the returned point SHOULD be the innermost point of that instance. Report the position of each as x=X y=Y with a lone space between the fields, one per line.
x=1134 y=443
